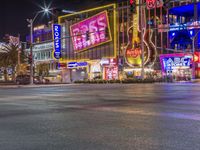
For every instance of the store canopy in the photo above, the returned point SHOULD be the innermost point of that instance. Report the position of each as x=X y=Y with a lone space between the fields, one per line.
x=185 y=10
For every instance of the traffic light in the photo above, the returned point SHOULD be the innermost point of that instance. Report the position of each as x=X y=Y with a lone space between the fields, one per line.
x=133 y=6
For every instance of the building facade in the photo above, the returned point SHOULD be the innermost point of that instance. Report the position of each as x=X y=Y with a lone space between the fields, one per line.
x=89 y=45
x=44 y=64
x=180 y=24
x=107 y=41
x=112 y=42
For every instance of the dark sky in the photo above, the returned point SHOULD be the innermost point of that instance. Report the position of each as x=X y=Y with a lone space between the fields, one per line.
x=13 y=13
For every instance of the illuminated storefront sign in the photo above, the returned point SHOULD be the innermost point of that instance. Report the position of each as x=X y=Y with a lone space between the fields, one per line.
x=41 y=27
x=62 y=65
x=72 y=65
x=188 y=26
x=95 y=68
x=133 y=56
x=104 y=61
x=154 y=3
x=171 y=62
x=45 y=46
x=57 y=41
x=108 y=61
x=197 y=57
x=91 y=32
x=76 y=64
x=111 y=73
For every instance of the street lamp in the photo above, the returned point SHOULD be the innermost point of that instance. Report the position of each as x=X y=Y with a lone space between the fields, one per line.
x=193 y=51
x=142 y=36
x=31 y=21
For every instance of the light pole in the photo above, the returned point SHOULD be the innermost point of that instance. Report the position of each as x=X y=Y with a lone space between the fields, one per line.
x=193 y=51
x=31 y=21
x=142 y=36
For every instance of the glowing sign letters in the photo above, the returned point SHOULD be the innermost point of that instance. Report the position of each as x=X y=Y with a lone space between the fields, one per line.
x=57 y=41
x=91 y=32
x=111 y=73
x=172 y=61
x=154 y=3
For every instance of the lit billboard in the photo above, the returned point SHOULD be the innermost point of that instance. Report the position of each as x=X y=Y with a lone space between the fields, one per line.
x=91 y=32
x=173 y=61
x=57 y=41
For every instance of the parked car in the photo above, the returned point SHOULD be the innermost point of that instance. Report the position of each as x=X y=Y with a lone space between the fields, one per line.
x=25 y=79
x=40 y=80
x=22 y=79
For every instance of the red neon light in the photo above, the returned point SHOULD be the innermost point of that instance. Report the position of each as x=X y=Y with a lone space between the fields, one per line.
x=91 y=32
x=111 y=73
x=131 y=2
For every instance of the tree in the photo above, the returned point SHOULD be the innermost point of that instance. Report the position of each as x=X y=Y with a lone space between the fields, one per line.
x=4 y=63
x=43 y=69
x=9 y=58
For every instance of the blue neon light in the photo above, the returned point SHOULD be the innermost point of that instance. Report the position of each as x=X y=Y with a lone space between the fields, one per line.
x=76 y=64
x=172 y=34
x=184 y=10
x=191 y=32
x=173 y=62
x=57 y=40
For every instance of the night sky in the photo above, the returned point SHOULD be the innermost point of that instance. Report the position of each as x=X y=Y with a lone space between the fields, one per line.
x=13 y=14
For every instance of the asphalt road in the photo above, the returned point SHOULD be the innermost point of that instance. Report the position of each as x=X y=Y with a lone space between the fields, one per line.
x=101 y=117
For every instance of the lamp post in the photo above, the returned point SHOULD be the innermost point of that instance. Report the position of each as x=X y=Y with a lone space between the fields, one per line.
x=142 y=36
x=31 y=21
x=193 y=51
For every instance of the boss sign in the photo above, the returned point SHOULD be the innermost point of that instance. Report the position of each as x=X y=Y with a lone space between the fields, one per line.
x=91 y=32
x=57 y=41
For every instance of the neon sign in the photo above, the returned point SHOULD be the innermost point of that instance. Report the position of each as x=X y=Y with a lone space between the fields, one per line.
x=57 y=41
x=91 y=32
x=131 y=2
x=173 y=61
x=111 y=73
x=134 y=53
x=76 y=64
x=154 y=3
x=188 y=26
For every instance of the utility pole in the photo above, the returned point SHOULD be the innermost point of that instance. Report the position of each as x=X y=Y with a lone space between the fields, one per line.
x=193 y=52
x=142 y=36
x=31 y=21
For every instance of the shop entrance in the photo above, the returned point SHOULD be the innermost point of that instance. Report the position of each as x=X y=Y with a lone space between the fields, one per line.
x=180 y=74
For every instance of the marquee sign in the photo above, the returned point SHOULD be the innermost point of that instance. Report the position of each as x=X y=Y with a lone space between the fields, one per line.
x=111 y=73
x=173 y=61
x=91 y=32
x=57 y=41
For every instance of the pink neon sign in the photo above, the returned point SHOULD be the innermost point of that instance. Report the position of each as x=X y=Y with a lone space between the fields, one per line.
x=91 y=32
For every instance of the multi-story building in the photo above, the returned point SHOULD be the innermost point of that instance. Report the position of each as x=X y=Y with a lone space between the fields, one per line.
x=104 y=42
x=44 y=64
x=182 y=20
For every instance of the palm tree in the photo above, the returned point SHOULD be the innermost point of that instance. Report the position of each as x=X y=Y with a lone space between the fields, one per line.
x=9 y=58
x=43 y=69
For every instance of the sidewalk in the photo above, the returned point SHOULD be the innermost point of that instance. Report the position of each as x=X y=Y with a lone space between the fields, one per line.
x=34 y=86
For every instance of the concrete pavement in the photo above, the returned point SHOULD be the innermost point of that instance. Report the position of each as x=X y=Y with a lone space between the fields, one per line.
x=101 y=117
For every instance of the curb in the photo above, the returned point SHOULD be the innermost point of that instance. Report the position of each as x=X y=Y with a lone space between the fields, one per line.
x=34 y=86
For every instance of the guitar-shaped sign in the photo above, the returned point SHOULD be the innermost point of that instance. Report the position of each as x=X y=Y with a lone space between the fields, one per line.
x=133 y=52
